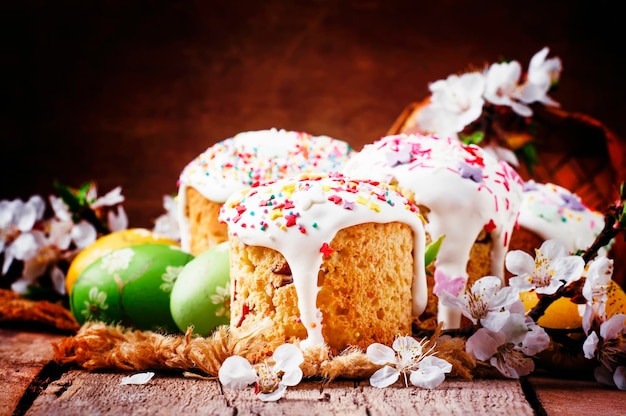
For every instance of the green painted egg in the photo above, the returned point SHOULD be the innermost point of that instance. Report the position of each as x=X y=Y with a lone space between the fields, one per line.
x=201 y=294
x=130 y=286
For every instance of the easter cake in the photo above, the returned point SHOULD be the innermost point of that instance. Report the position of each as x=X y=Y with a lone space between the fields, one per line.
x=330 y=260
x=549 y=211
x=239 y=162
x=467 y=197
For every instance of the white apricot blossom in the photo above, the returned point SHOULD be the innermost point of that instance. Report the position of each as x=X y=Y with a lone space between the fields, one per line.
x=486 y=302
x=455 y=102
x=17 y=219
x=596 y=291
x=271 y=381
x=510 y=350
x=501 y=84
x=407 y=357
x=608 y=347
x=551 y=268
x=542 y=74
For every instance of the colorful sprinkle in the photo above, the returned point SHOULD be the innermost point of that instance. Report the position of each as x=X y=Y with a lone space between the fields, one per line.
x=326 y=250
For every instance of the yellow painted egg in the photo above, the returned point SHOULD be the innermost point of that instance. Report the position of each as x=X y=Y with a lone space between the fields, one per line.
x=564 y=314
x=108 y=243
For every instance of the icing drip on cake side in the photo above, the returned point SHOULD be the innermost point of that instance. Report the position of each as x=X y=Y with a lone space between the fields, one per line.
x=299 y=217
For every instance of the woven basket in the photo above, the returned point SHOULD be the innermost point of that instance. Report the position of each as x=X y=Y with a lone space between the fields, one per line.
x=575 y=151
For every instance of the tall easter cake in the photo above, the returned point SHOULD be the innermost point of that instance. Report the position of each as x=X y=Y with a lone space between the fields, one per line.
x=328 y=259
x=466 y=196
x=239 y=162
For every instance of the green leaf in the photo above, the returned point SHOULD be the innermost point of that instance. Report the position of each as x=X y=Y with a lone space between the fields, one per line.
x=475 y=138
x=68 y=196
x=81 y=193
x=528 y=154
x=432 y=250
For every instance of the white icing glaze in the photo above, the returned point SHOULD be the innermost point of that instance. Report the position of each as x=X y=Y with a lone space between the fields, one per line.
x=250 y=157
x=553 y=212
x=299 y=217
x=465 y=188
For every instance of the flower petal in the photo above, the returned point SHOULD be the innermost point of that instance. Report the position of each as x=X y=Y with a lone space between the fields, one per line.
x=521 y=109
x=406 y=343
x=553 y=249
x=139 y=378
x=21 y=285
x=8 y=260
x=431 y=372
x=384 y=377
x=494 y=321
x=453 y=285
x=61 y=210
x=58 y=279
x=273 y=396
x=590 y=345
x=535 y=340
x=484 y=344
x=112 y=198
x=380 y=354
x=292 y=377
x=619 y=377
x=117 y=220
x=287 y=356
x=39 y=204
x=237 y=373
x=568 y=268
x=613 y=326
x=83 y=234
x=24 y=247
x=513 y=367
x=26 y=217
x=519 y=262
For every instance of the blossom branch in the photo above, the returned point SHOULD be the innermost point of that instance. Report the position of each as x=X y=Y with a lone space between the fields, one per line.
x=571 y=290
x=614 y=223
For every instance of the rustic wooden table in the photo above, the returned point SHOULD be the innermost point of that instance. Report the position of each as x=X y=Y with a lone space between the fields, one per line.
x=32 y=384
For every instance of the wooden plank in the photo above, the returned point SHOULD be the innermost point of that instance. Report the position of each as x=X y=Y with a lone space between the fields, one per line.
x=308 y=398
x=579 y=397
x=453 y=397
x=25 y=347
x=14 y=381
x=23 y=356
x=80 y=392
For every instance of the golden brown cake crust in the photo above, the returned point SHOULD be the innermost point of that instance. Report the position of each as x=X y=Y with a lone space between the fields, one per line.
x=205 y=229
x=365 y=287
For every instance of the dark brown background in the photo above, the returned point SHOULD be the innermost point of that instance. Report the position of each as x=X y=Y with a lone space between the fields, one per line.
x=127 y=92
